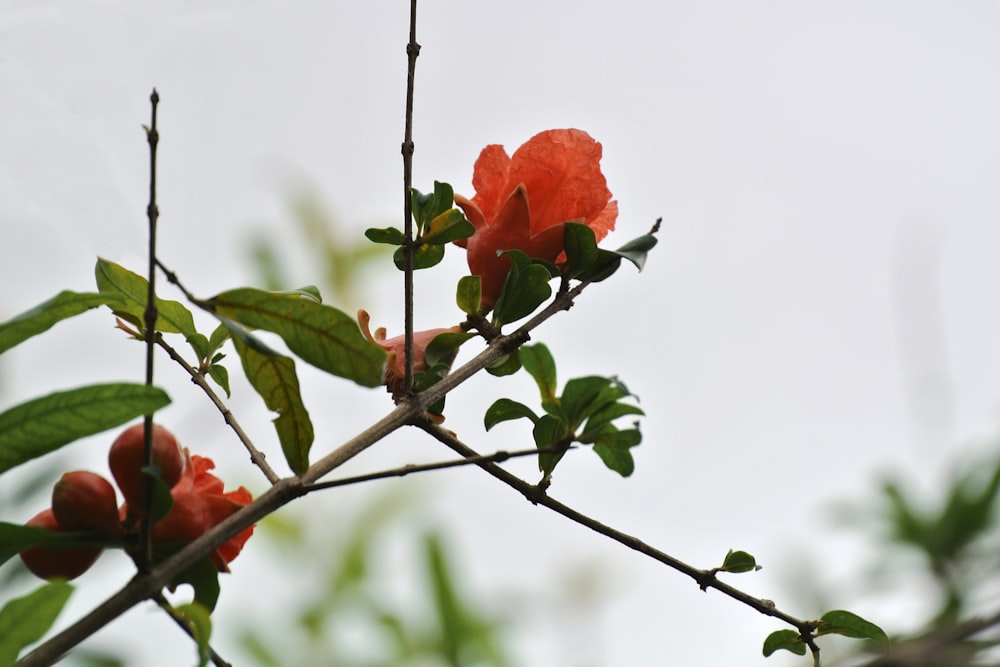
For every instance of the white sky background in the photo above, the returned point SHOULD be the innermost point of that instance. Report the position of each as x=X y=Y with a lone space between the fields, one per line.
x=821 y=307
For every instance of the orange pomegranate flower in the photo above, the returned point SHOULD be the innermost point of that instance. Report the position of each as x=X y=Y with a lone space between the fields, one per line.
x=200 y=504
x=395 y=371
x=523 y=201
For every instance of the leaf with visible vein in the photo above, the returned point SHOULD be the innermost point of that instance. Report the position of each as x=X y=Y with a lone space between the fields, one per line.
x=45 y=424
x=43 y=316
x=171 y=316
x=321 y=335
x=273 y=377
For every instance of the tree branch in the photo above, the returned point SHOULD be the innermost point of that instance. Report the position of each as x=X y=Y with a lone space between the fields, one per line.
x=256 y=456
x=704 y=578
x=145 y=551
x=412 y=51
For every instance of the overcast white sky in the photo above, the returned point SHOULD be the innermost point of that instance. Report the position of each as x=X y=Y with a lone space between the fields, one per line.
x=821 y=308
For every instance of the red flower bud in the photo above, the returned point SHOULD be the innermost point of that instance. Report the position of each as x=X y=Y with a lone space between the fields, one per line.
x=52 y=563
x=127 y=459
x=395 y=372
x=84 y=500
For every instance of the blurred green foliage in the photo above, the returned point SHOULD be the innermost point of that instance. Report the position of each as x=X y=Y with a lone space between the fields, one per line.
x=952 y=542
x=348 y=616
x=338 y=256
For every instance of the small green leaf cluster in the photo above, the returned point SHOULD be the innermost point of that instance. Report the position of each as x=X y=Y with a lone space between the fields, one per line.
x=172 y=317
x=527 y=284
x=585 y=261
x=438 y=224
x=584 y=413
x=836 y=622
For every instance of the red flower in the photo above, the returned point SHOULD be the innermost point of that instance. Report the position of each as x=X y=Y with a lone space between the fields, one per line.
x=200 y=504
x=522 y=202
x=395 y=371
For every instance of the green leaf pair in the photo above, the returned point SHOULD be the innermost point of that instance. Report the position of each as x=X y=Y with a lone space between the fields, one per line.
x=584 y=413
x=837 y=622
x=438 y=223
x=587 y=262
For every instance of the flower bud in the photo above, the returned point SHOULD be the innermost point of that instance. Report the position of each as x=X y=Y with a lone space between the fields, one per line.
x=52 y=563
x=83 y=500
x=127 y=458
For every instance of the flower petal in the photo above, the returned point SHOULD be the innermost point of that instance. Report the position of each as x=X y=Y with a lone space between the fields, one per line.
x=561 y=170
x=490 y=178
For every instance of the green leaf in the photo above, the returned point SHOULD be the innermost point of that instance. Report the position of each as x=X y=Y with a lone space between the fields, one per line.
x=599 y=419
x=443 y=348
x=580 y=245
x=508 y=364
x=584 y=396
x=319 y=334
x=218 y=337
x=221 y=376
x=163 y=500
x=425 y=256
x=788 y=640
x=538 y=361
x=199 y=343
x=525 y=288
x=419 y=205
x=613 y=447
x=469 y=294
x=447 y=227
x=848 y=624
x=171 y=316
x=15 y=538
x=636 y=250
x=42 y=425
x=43 y=316
x=738 y=562
x=26 y=619
x=430 y=206
x=198 y=618
x=204 y=578
x=388 y=235
x=273 y=377
x=605 y=265
x=548 y=431
x=505 y=409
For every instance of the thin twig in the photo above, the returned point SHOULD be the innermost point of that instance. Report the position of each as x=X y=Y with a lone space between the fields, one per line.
x=704 y=578
x=173 y=280
x=217 y=660
x=145 y=556
x=412 y=51
x=258 y=457
x=402 y=471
